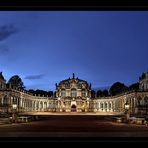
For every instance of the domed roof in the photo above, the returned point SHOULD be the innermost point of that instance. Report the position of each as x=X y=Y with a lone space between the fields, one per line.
x=69 y=80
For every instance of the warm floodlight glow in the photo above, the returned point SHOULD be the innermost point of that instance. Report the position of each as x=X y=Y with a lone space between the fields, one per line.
x=127 y=106
x=14 y=106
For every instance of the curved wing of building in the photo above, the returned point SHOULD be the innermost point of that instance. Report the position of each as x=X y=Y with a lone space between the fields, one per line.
x=74 y=95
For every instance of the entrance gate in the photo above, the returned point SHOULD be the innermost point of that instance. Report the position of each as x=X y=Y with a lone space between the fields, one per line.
x=73 y=108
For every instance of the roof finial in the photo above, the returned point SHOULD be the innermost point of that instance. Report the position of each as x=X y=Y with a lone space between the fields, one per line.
x=73 y=75
x=56 y=85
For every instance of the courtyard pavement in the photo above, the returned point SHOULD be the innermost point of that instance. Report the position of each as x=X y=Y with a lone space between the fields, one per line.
x=73 y=126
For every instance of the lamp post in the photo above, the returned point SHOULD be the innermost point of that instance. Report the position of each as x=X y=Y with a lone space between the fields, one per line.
x=14 y=115
x=127 y=111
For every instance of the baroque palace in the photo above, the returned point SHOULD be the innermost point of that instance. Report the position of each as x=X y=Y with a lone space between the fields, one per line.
x=74 y=95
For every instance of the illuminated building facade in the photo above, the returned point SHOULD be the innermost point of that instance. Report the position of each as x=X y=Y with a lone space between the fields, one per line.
x=74 y=95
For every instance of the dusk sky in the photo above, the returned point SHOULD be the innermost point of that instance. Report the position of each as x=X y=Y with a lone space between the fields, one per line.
x=101 y=47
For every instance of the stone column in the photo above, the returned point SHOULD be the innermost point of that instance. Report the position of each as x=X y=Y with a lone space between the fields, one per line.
x=42 y=106
x=25 y=105
x=45 y=106
x=111 y=106
x=95 y=106
x=2 y=100
x=107 y=109
x=99 y=106
x=103 y=106
x=35 y=107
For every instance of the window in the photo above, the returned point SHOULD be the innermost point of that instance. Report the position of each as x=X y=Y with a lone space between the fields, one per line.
x=73 y=92
x=5 y=101
x=83 y=93
x=63 y=93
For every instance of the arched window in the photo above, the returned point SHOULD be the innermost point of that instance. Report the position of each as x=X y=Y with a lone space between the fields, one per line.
x=73 y=92
x=110 y=106
x=45 y=105
x=101 y=106
x=37 y=105
x=5 y=101
x=14 y=99
x=105 y=105
x=83 y=93
x=63 y=93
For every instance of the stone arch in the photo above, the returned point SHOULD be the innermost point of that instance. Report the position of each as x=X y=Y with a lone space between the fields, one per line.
x=110 y=105
x=41 y=105
x=73 y=108
x=45 y=106
x=101 y=106
x=37 y=105
x=105 y=106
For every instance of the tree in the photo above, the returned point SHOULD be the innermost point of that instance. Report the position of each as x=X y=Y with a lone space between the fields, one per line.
x=31 y=91
x=41 y=92
x=16 y=82
x=105 y=93
x=134 y=86
x=50 y=93
x=99 y=93
x=93 y=93
x=117 y=88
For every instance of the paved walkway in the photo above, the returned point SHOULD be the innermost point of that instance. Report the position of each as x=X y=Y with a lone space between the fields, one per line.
x=73 y=126
x=71 y=113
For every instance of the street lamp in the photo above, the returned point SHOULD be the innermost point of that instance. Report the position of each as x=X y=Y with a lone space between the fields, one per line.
x=14 y=110
x=127 y=111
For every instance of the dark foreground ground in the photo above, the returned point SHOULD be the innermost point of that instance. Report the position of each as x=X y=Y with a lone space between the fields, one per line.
x=73 y=126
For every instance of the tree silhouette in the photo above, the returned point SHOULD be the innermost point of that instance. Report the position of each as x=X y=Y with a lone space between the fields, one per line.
x=41 y=92
x=117 y=88
x=31 y=91
x=16 y=82
x=93 y=93
x=134 y=86
x=105 y=93
x=99 y=93
x=50 y=93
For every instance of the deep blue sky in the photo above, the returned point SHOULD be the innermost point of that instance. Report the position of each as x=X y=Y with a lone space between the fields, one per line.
x=101 y=47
